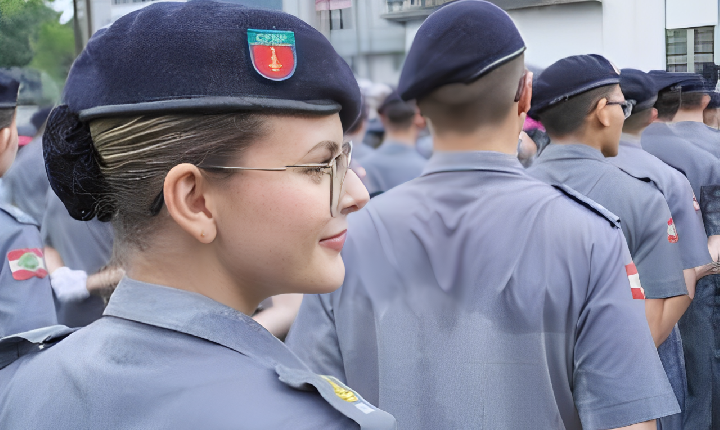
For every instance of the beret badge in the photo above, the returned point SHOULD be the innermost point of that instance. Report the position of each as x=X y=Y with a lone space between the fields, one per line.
x=273 y=53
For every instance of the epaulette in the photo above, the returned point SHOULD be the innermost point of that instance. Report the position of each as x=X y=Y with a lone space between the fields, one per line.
x=590 y=204
x=18 y=215
x=17 y=345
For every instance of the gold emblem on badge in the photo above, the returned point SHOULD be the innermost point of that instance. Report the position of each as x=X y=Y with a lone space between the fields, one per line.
x=341 y=392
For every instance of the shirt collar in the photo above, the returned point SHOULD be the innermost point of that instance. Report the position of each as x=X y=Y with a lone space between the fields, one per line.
x=630 y=140
x=457 y=161
x=199 y=316
x=570 y=151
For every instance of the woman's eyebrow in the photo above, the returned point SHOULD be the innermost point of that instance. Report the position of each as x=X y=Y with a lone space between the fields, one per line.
x=328 y=145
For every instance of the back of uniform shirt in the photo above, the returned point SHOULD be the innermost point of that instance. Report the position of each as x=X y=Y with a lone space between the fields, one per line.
x=486 y=299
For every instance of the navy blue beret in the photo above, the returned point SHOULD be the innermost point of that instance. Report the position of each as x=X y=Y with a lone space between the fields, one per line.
x=665 y=79
x=210 y=57
x=639 y=88
x=8 y=91
x=714 y=100
x=569 y=77
x=459 y=43
x=693 y=83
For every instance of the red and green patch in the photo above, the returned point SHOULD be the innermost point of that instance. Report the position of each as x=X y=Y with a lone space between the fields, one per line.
x=273 y=53
x=26 y=263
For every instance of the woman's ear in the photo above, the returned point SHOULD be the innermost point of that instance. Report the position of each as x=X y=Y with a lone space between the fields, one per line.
x=184 y=191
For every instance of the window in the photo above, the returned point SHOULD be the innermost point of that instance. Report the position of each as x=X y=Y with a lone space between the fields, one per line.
x=691 y=50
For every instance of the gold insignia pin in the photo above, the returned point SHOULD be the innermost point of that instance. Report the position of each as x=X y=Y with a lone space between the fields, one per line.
x=341 y=392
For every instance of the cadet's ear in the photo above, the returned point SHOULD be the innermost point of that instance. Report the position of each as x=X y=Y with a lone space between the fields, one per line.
x=602 y=113
x=705 y=101
x=653 y=116
x=184 y=191
x=526 y=95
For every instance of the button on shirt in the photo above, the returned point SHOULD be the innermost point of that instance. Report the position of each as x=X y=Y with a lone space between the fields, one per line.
x=391 y=165
x=478 y=297
x=26 y=298
x=640 y=164
x=163 y=358
x=644 y=215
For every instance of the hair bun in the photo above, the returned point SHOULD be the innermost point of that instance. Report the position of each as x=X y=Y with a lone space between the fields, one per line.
x=72 y=165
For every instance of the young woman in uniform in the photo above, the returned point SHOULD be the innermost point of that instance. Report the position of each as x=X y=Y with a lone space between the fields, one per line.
x=211 y=136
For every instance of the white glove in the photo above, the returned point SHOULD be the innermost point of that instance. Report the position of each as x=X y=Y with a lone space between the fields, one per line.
x=69 y=285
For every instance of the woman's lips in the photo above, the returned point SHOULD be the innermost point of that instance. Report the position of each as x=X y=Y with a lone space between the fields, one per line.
x=336 y=242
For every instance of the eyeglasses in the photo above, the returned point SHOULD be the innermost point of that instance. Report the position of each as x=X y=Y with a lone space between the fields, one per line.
x=337 y=168
x=627 y=107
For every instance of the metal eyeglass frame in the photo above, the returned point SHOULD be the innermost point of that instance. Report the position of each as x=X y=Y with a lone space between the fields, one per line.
x=332 y=165
x=626 y=105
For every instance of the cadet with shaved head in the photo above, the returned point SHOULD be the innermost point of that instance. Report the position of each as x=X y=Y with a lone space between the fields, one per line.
x=476 y=296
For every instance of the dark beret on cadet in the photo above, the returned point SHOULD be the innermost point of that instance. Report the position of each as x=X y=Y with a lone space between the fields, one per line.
x=664 y=80
x=639 y=88
x=8 y=91
x=569 y=77
x=210 y=57
x=459 y=43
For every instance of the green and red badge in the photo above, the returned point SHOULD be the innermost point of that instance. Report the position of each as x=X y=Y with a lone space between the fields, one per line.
x=273 y=53
x=26 y=263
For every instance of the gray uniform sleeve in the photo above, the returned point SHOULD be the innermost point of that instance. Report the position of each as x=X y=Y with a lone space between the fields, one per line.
x=24 y=304
x=313 y=336
x=618 y=378
x=655 y=250
x=688 y=218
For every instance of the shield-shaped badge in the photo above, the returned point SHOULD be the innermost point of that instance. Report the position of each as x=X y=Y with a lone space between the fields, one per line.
x=273 y=53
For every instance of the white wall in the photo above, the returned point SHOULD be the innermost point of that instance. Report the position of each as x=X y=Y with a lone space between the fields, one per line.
x=634 y=33
x=554 y=32
x=691 y=13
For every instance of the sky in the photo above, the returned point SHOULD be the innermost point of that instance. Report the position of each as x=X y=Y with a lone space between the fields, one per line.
x=64 y=6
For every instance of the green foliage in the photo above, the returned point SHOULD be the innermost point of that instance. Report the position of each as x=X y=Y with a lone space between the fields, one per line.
x=20 y=22
x=54 y=50
x=31 y=36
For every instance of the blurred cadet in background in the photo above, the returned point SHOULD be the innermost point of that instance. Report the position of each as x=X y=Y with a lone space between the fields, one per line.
x=698 y=326
x=84 y=247
x=688 y=121
x=711 y=114
x=26 y=298
x=396 y=160
x=639 y=89
x=26 y=182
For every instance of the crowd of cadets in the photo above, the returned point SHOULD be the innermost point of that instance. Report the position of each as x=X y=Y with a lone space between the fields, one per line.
x=475 y=295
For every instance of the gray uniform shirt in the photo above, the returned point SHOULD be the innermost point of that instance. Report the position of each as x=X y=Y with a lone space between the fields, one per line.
x=644 y=215
x=478 y=297
x=700 y=167
x=26 y=182
x=26 y=298
x=163 y=358
x=83 y=245
x=391 y=165
x=700 y=135
x=685 y=209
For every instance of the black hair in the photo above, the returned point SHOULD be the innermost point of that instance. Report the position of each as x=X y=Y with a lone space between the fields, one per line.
x=6 y=117
x=692 y=100
x=668 y=103
x=399 y=115
x=569 y=116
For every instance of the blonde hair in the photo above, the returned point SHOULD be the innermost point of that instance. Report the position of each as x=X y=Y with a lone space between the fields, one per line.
x=136 y=153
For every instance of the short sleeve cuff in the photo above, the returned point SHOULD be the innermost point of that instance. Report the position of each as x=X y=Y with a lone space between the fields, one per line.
x=629 y=413
x=663 y=289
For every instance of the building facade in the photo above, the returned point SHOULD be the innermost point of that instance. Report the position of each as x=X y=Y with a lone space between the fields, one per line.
x=677 y=35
